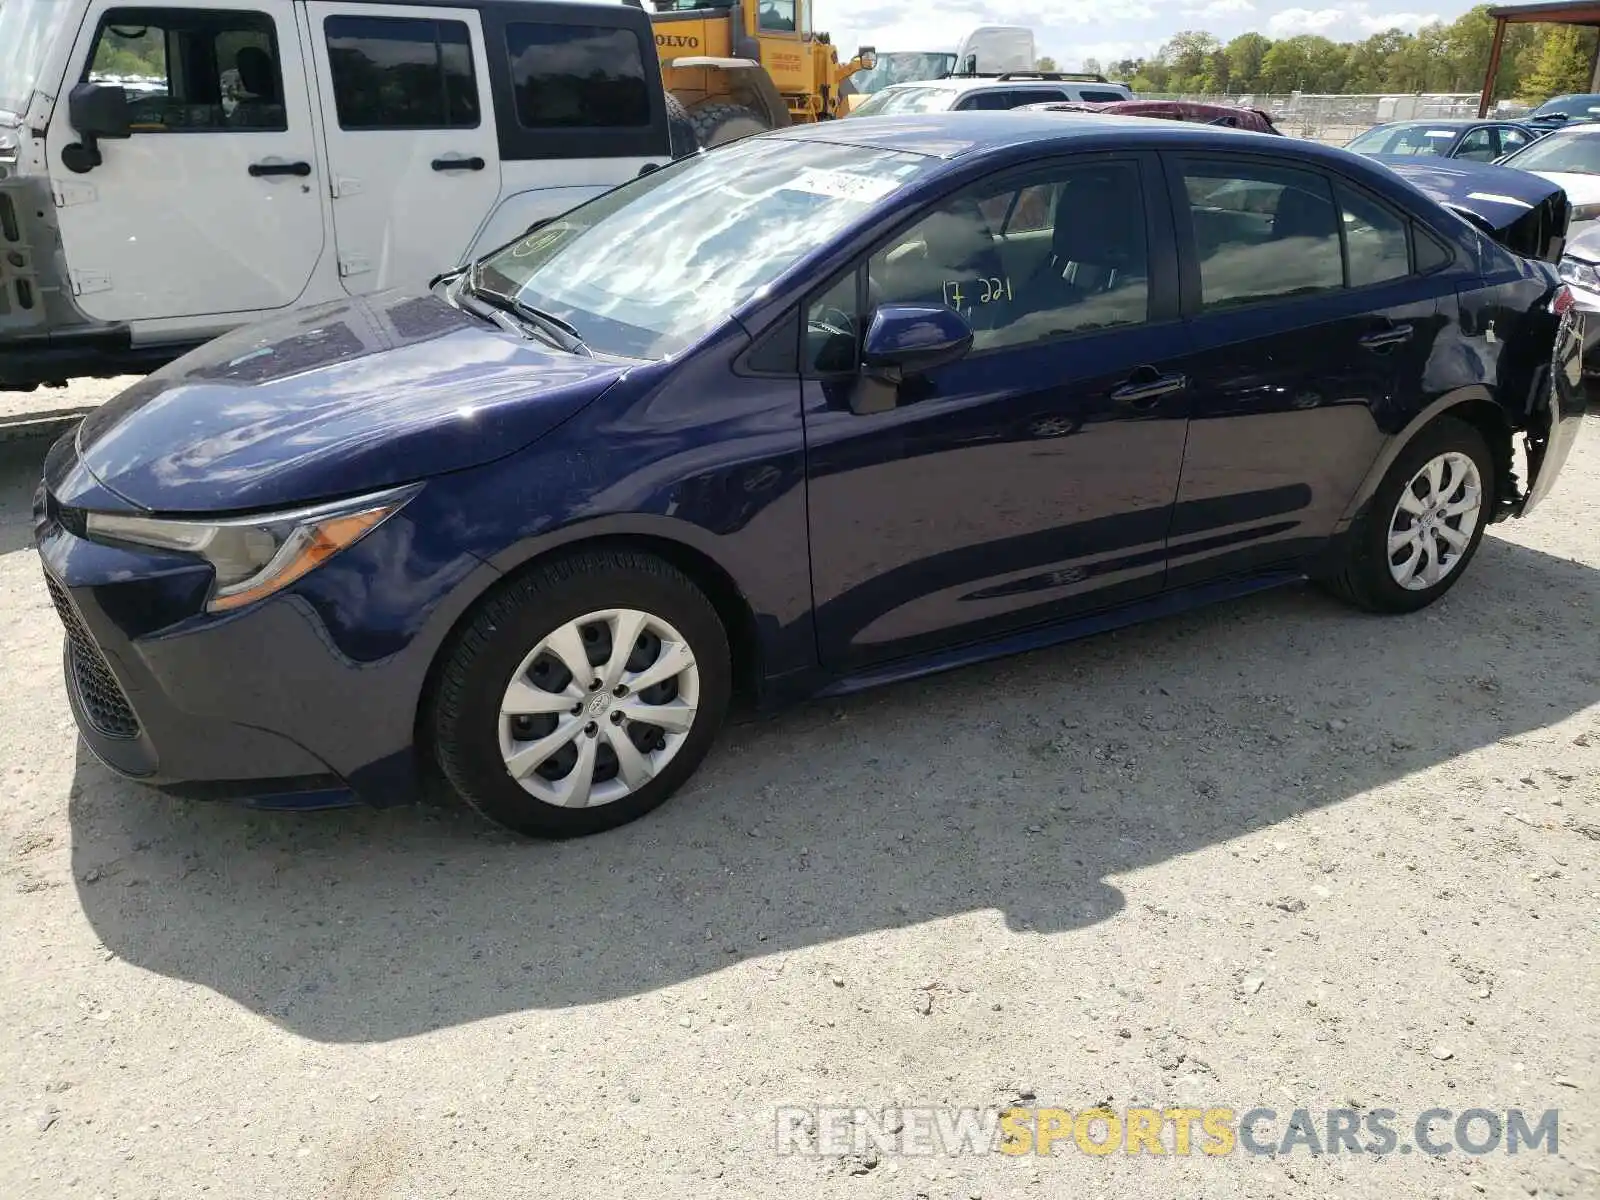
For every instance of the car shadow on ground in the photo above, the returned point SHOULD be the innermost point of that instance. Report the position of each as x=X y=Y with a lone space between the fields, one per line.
x=1026 y=786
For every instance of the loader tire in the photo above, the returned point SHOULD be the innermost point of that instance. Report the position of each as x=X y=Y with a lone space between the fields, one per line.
x=680 y=128
x=719 y=124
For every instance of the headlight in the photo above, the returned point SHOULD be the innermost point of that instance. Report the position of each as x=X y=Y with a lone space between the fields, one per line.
x=1582 y=274
x=257 y=556
x=1583 y=212
x=8 y=146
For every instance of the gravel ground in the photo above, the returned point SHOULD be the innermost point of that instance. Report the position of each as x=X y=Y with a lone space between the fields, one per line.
x=1275 y=853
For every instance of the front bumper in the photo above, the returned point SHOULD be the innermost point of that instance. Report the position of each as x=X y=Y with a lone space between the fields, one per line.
x=309 y=698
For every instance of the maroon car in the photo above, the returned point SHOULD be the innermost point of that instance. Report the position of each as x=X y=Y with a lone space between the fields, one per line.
x=1253 y=119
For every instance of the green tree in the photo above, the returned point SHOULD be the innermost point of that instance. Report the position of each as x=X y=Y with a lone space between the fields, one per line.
x=1245 y=56
x=1046 y=64
x=1562 y=64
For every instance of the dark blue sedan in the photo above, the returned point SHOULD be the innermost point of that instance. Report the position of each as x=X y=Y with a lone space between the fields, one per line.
x=821 y=409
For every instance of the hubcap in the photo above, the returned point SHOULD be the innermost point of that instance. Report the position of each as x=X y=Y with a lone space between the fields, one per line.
x=598 y=708
x=1434 y=521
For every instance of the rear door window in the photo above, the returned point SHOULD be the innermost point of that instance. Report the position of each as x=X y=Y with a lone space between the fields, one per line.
x=1262 y=232
x=401 y=73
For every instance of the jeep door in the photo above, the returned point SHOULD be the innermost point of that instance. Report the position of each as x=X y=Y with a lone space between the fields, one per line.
x=213 y=204
x=410 y=131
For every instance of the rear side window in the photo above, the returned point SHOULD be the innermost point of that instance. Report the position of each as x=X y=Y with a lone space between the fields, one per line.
x=569 y=76
x=1375 y=240
x=401 y=73
x=1099 y=96
x=192 y=70
x=1262 y=233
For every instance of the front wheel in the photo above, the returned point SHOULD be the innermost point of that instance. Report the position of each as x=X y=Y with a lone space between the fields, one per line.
x=1424 y=523
x=582 y=695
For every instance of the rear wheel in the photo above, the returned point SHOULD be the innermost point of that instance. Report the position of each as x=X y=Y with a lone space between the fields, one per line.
x=583 y=695
x=1424 y=523
x=717 y=124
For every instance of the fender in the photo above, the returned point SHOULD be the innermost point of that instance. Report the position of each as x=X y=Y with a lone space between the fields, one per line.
x=1398 y=442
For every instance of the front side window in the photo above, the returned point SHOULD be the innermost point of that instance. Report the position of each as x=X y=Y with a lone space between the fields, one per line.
x=1262 y=233
x=1477 y=145
x=777 y=15
x=401 y=73
x=192 y=70
x=645 y=269
x=577 y=76
x=1057 y=253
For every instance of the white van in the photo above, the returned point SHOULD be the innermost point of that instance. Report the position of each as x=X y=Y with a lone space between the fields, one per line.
x=169 y=171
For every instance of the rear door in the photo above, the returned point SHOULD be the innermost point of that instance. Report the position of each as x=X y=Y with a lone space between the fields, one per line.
x=214 y=203
x=411 y=141
x=1311 y=338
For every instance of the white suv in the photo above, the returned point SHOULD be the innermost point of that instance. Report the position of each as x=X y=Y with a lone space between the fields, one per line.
x=957 y=93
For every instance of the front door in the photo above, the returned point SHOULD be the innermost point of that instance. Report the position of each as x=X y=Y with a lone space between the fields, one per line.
x=1310 y=332
x=214 y=203
x=1034 y=478
x=412 y=147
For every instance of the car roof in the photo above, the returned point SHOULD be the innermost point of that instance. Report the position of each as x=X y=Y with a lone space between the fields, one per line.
x=950 y=135
x=1446 y=122
x=966 y=83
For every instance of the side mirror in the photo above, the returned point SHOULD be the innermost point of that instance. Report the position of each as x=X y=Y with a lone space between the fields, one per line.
x=969 y=65
x=95 y=110
x=910 y=339
x=868 y=56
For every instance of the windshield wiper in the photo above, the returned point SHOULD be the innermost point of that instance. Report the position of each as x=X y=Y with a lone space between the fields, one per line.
x=553 y=327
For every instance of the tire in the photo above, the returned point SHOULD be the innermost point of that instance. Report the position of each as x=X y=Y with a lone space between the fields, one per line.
x=475 y=745
x=719 y=124
x=680 y=128
x=1367 y=579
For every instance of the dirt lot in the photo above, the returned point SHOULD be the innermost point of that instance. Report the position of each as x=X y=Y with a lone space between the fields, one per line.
x=1272 y=854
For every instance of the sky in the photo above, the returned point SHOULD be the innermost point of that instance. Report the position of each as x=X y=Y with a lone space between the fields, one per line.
x=1070 y=31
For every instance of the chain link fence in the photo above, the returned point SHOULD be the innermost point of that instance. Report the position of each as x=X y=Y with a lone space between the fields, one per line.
x=1335 y=119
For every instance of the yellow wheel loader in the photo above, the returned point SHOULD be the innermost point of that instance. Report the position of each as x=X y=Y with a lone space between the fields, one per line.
x=745 y=66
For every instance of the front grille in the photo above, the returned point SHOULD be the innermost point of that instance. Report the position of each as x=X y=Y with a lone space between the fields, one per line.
x=99 y=695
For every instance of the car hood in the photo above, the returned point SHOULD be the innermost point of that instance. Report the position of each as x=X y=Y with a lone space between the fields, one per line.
x=334 y=399
x=1580 y=188
x=1523 y=211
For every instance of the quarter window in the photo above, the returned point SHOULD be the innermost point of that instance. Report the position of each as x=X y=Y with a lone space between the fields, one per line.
x=401 y=73
x=570 y=76
x=192 y=70
x=1262 y=233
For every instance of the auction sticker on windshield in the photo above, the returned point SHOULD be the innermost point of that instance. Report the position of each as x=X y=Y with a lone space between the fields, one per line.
x=842 y=185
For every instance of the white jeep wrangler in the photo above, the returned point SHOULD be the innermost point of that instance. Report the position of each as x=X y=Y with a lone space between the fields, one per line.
x=170 y=171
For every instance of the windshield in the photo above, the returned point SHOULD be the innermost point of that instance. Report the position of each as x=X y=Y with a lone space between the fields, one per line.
x=1404 y=139
x=903 y=66
x=906 y=100
x=647 y=268
x=1585 y=106
x=1577 y=153
x=27 y=29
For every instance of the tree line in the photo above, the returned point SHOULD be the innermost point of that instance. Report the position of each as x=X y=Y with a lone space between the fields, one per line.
x=1537 y=61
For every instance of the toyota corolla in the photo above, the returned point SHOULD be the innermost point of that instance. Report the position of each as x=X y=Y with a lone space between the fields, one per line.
x=824 y=408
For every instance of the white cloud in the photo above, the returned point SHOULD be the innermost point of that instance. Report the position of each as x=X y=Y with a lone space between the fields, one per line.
x=1220 y=8
x=1343 y=23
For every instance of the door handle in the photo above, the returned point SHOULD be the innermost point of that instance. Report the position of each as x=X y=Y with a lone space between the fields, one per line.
x=294 y=168
x=459 y=164
x=1147 y=387
x=1394 y=335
